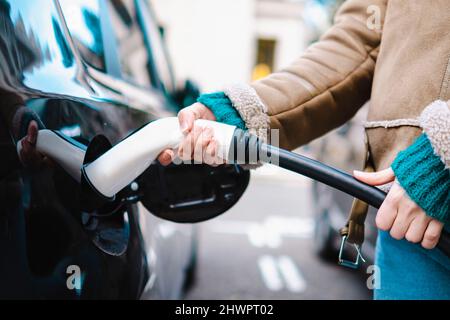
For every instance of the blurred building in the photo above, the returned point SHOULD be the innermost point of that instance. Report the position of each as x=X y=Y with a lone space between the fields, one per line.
x=219 y=42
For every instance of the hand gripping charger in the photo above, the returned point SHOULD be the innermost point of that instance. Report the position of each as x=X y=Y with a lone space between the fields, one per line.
x=104 y=171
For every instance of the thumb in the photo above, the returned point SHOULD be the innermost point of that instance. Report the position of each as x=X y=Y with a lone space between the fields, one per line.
x=32 y=132
x=186 y=117
x=375 y=178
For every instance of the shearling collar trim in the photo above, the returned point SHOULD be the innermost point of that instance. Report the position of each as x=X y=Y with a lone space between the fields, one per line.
x=435 y=122
x=392 y=123
x=251 y=109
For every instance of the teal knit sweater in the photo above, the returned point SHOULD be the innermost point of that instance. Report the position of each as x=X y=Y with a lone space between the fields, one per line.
x=419 y=171
x=222 y=108
x=424 y=177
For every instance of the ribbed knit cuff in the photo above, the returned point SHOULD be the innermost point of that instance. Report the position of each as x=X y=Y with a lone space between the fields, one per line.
x=424 y=177
x=222 y=108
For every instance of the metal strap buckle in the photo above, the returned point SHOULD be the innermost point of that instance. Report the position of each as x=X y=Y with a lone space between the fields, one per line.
x=348 y=263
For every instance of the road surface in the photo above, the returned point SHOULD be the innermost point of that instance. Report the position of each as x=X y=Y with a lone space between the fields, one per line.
x=263 y=248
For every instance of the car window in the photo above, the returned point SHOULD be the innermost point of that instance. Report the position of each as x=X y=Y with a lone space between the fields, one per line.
x=83 y=20
x=133 y=54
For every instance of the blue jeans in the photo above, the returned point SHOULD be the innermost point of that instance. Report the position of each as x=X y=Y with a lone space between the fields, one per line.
x=407 y=271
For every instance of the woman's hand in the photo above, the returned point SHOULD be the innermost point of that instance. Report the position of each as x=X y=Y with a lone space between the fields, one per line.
x=399 y=214
x=29 y=156
x=198 y=143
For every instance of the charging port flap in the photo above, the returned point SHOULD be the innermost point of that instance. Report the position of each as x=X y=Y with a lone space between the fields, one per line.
x=190 y=193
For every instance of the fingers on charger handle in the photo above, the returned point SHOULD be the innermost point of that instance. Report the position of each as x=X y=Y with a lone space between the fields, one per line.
x=375 y=178
x=188 y=115
x=185 y=149
x=200 y=141
x=30 y=139
x=32 y=132
x=166 y=157
x=209 y=155
x=416 y=229
x=194 y=143
x=432 y=234
x=386 y=216
x=385 y=220
x=186 y=118
x=29 y=156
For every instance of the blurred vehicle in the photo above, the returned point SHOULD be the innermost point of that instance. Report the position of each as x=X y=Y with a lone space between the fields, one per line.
x=343 y=148
x=89 y=67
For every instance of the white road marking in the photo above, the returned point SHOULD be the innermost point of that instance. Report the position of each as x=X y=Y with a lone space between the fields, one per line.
x=296 y=227
x=269 y=272
x=256 y=235
x=273 y=238
x=230 y=226
x=294 y=280
x=281 y=273
x=270 y=232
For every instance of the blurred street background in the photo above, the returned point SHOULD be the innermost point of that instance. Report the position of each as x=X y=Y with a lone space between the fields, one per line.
x=218 y=42
x=266 y=246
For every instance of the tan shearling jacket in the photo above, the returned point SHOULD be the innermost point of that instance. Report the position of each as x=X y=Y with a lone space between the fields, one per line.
x=402 y=67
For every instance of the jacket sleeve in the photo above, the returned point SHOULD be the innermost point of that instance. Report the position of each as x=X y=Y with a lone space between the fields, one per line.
x=323 y=88
x=423 y=169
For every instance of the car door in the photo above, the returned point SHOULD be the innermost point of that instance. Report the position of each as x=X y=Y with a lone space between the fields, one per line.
x=50 y=248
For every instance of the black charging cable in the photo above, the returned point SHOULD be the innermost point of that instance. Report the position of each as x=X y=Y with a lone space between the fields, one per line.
x=247 y=148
